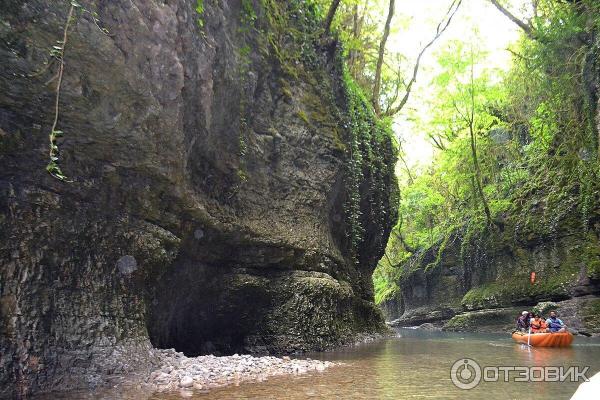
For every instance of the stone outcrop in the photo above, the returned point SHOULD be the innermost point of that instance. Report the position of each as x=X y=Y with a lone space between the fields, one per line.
x=482 y=281
x=226 y=195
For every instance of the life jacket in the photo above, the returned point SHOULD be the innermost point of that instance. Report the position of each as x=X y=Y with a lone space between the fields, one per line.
x=537 y=325
x=554 y=325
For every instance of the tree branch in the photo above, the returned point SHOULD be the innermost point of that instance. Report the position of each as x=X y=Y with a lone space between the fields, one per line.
x=410 y=176
x=525 y=27
x=437 y=142
x=377 y=83
x=406 y=246
x=441 y=28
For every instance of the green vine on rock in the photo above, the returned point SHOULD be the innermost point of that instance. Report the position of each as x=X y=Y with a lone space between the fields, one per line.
x=200 y=11
x=58 y=53
x=370 y=149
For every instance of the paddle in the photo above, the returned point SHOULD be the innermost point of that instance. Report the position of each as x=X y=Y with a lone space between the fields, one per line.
x=528 y=337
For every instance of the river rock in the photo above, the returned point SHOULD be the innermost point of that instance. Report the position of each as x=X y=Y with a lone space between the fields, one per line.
x=186 y=382
x=429 y=327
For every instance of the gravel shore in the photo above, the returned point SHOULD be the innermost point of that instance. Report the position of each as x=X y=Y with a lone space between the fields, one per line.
x=189 y=374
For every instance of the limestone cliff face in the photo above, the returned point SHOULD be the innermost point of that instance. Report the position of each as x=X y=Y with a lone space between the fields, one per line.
x=491 y=271
x=213 y=183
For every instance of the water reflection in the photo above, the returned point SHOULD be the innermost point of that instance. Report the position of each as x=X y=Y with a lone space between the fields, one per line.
x=417 y=366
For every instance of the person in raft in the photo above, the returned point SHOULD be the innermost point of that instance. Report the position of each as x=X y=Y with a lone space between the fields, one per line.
x=523 y=321
x=537 y=324
x=555 y=324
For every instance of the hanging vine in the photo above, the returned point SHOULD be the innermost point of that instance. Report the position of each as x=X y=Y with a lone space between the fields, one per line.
x=58 y=53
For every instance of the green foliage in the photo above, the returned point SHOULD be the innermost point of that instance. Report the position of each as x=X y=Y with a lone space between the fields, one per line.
x=443 y=198
x=248 y=14
x=370 y=152
x=200 y=11
x=385 y=288
x=359 y=25
x=537 y=146
x=358 y=111
x=57 y=53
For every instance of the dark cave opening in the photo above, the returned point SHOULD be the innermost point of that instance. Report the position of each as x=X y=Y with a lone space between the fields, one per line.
x=200 y=310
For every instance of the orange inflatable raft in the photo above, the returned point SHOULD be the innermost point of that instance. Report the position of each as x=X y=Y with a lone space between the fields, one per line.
x=558 y=339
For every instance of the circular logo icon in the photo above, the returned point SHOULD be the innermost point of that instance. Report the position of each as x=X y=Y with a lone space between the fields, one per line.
x=465 y=373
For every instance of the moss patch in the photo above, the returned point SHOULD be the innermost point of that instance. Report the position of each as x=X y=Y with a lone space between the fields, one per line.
x=519 y=290
x=590 y=256
x=590 y=316
x=482 y=321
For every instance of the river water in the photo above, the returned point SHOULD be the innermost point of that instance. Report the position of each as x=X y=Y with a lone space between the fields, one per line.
x=417 y=365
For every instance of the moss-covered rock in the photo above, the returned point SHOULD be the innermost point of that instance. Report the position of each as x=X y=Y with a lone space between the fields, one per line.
x=590 y=316
x=544 y=308
x=485 y=268
x=494 y=320
x=231 y=188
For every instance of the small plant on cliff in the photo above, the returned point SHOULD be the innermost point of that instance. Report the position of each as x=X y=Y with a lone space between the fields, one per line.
x=248 y=14
x=200 y=11
x=58 y=52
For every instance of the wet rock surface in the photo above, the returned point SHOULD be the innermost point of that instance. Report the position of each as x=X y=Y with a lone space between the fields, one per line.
x=580 y=314
x=207 y=208
x=483 y=285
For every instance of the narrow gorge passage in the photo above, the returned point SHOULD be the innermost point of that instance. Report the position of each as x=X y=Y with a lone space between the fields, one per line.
x=320 y=198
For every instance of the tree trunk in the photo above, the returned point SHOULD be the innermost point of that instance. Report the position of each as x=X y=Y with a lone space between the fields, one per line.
x=330 y=14
x=476 y=166
x=526 y=28
x=384 y=38
x=486 y=207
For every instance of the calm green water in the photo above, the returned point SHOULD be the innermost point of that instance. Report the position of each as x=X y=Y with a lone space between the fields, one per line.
x=417 y=365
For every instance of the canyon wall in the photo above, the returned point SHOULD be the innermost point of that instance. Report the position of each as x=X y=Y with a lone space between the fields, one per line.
x=226 y=190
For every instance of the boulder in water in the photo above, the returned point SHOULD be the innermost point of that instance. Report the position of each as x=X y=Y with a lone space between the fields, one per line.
x=428 y=326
